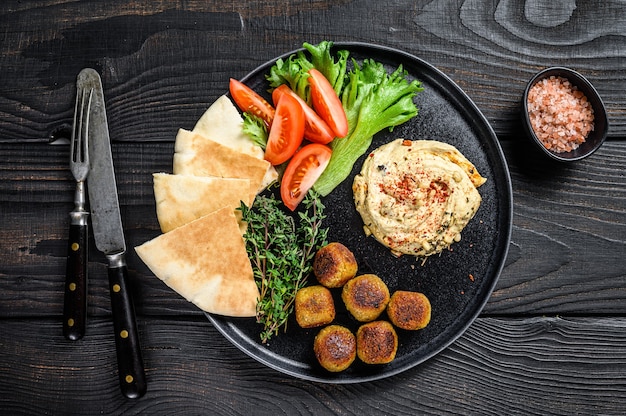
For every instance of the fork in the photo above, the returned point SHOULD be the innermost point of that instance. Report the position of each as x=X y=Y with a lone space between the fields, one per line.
x=75 y=299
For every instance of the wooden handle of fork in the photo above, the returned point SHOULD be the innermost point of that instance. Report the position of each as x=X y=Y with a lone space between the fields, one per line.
x=75 y=302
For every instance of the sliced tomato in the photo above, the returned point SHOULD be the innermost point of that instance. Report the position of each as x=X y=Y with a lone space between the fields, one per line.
x=316 y=130
x=250 y=102
x=327 y=104
x=287 y=131
x=302 y=171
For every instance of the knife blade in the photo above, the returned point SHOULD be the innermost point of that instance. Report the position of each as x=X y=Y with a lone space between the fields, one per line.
x=109 y=237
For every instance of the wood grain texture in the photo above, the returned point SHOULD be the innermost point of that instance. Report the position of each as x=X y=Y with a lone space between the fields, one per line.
x=552 y=337
x=567 y=211
x=569 y=238
x=499 y=366
x=163 y=64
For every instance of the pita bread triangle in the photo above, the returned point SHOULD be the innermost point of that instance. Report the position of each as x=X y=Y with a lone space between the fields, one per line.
x=205 y=261
x=196 y=155
x=223 y=124
x=183 y=198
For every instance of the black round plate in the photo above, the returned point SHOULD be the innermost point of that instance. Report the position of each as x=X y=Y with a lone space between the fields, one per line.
x=458 y=282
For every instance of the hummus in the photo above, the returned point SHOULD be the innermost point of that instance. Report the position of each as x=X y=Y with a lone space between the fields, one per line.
x=415 y=197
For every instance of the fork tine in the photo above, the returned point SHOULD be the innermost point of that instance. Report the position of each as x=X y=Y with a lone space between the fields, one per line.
x=85 y=124
x=79 y=143
x=75 y=126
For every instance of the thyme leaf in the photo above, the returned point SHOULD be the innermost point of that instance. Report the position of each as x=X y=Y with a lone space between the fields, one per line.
x=281 y=248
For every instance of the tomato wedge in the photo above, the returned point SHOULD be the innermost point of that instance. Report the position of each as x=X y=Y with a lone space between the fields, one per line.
x=327 y=104
x=302 y=171
x=316 y=130
x=249 y=101
x=287 y=131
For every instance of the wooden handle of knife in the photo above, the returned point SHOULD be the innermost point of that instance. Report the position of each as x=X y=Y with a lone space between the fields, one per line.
x=75 y=298
x=129 y=359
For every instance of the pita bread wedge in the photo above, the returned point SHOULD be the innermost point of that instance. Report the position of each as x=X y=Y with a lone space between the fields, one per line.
x=196 y=155
x=205 y=261
x=181 y=199
x=222 y=123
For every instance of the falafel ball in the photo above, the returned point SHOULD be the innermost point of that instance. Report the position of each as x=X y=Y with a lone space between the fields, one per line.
x=365 y=297
x=376 y=342
x=409 y=310
x=334 y=264
x=314 y=306
x=335 y=348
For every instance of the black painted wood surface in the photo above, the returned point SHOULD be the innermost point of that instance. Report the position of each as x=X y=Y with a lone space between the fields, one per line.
x=552 y=338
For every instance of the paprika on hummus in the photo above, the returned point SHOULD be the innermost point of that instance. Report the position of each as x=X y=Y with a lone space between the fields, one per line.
x=415 y=197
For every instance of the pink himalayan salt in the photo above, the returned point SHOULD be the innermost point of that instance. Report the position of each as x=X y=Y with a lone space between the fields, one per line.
x=559 y=113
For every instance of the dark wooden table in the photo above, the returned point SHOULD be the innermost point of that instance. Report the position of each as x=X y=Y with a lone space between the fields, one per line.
x=551 y=339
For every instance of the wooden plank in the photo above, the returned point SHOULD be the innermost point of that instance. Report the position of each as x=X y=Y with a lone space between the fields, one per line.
x=576 y=212
x=161 y=66
x=499 y=366
x=569 y=237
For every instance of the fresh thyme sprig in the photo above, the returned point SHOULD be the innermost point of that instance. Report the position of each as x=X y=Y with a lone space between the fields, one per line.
x=281 y=250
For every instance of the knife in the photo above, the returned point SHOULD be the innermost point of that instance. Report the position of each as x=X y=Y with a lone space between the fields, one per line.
x=109 y=237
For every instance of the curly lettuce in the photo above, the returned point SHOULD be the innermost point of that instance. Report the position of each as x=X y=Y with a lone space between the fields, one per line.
x=372 y=99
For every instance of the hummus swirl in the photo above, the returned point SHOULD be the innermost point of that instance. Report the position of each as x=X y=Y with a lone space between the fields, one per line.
x=415 y=197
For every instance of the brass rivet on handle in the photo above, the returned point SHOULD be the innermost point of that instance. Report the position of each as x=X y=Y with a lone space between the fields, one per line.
x=129 y=379
x=124 y=333
x=116 y=288
x=72 y=286
x=70 y=322
x=75 y=246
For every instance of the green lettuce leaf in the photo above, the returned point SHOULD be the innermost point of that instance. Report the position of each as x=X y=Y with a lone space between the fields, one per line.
x=373 y=101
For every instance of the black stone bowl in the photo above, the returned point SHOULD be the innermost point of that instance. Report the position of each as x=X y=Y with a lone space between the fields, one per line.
x=594 y=139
